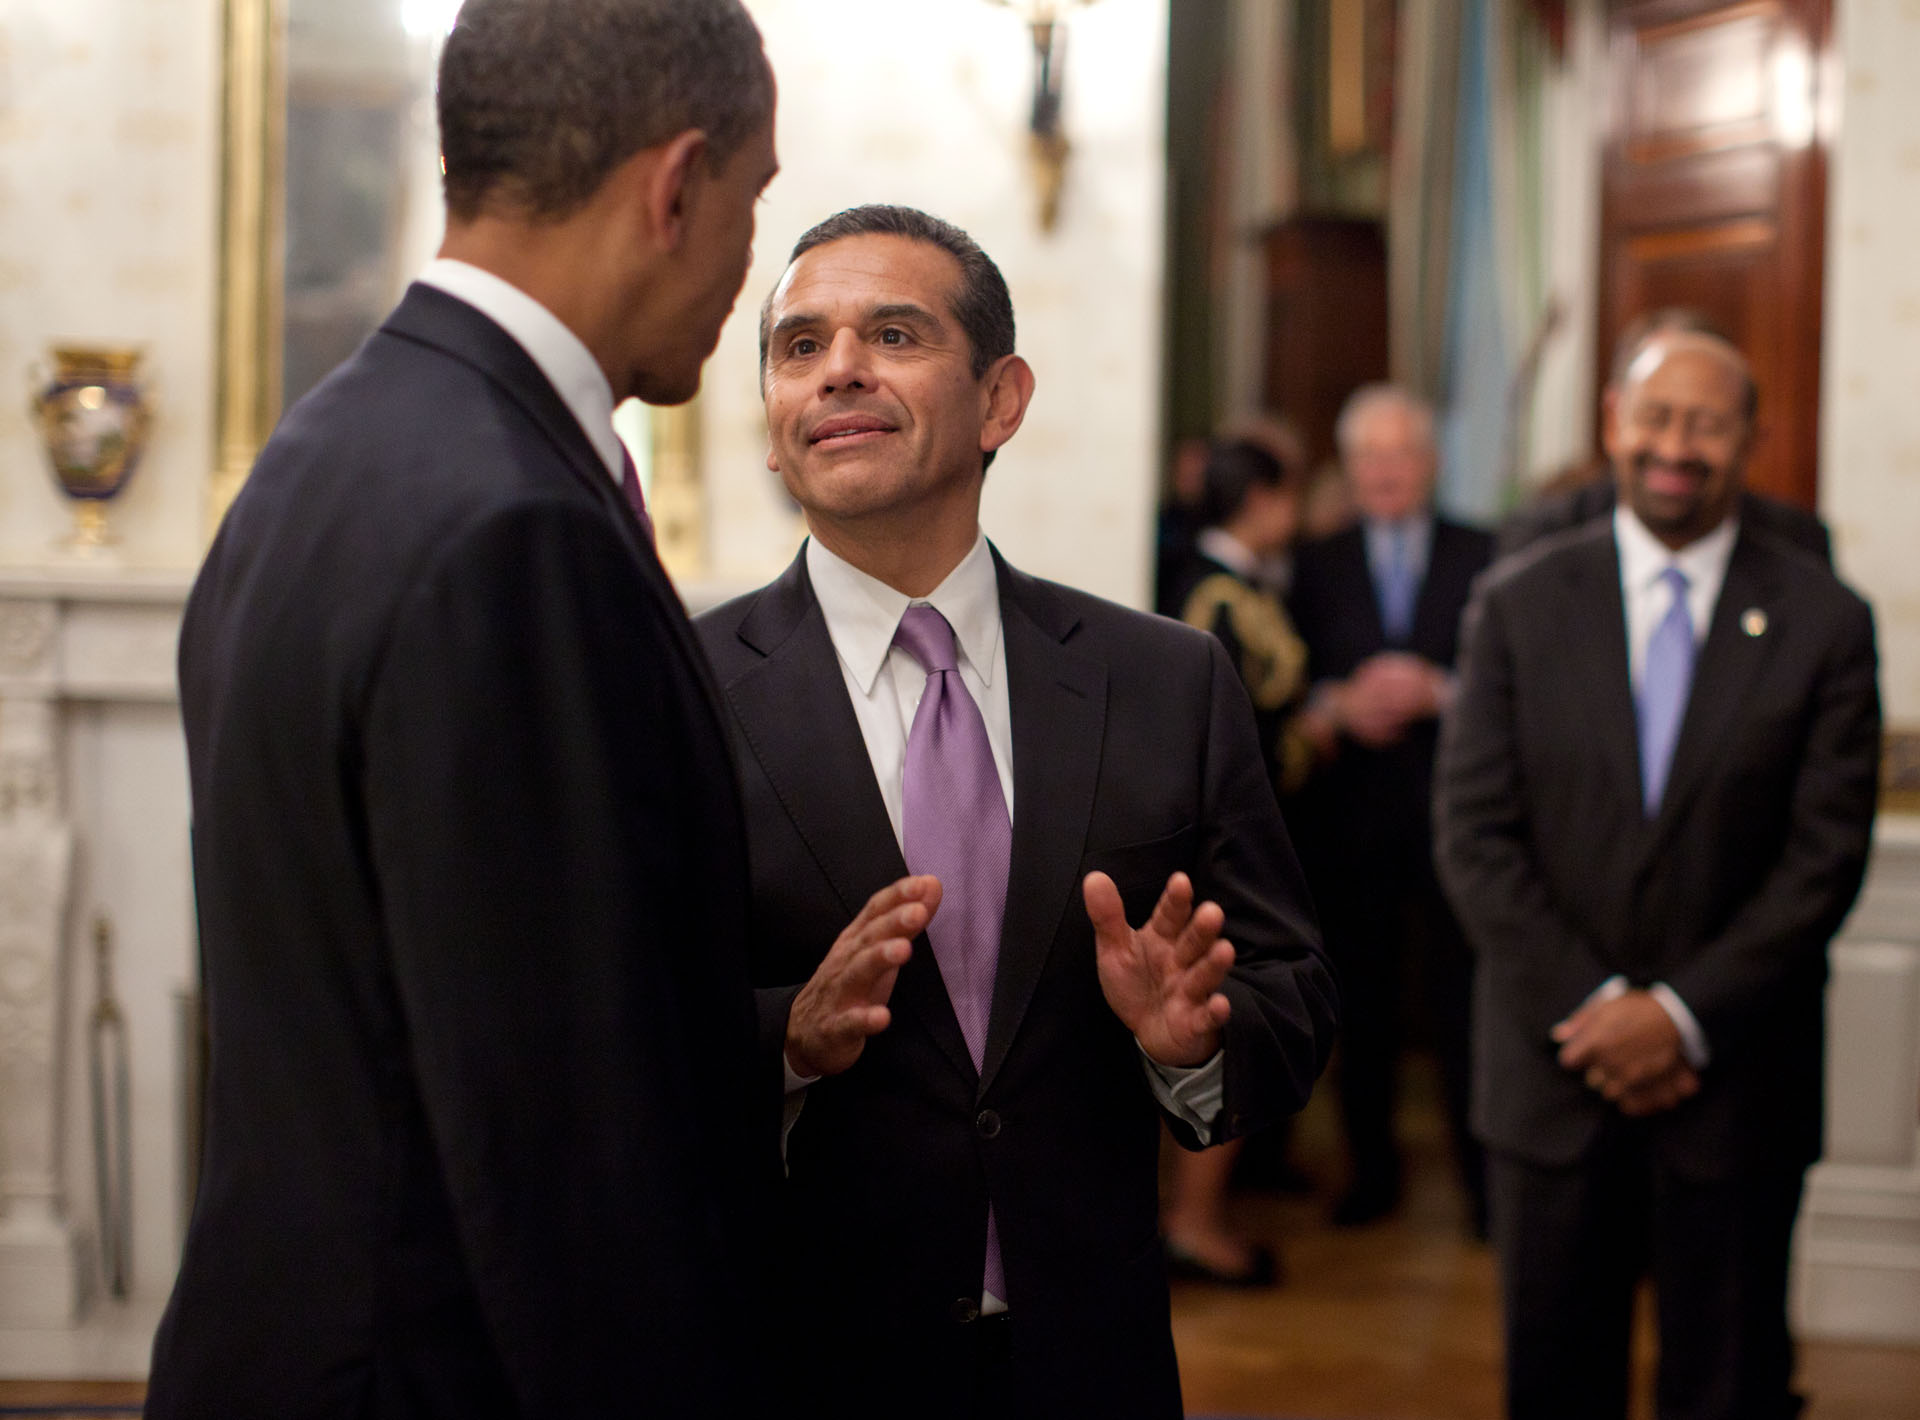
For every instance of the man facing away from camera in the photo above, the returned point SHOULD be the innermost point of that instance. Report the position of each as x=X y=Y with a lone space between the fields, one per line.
x=488 y=1133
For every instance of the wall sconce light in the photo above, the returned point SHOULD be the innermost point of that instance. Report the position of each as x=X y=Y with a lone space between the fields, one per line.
x=1047 y=143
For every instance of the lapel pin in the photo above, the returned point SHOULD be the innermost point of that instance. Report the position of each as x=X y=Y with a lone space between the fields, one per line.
x=1753 y=621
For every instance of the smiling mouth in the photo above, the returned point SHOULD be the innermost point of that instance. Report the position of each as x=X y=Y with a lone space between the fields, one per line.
x=841 y=433
x=1672 y=477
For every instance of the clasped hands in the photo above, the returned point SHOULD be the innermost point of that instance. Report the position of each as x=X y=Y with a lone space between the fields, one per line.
x=1387 y=694
x=1161 y=979
x=1627 y=1048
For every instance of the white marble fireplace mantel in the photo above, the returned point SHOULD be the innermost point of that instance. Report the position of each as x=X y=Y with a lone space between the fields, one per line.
x=93 y=825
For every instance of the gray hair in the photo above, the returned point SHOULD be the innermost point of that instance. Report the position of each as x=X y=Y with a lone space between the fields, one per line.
x=1649 y=326
x=1368 y=398
x=540 y=100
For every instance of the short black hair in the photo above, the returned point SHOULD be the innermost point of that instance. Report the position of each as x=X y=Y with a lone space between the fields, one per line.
x=981 y=303
x=1235 y=467
x=1678 y=320
x=540 y=100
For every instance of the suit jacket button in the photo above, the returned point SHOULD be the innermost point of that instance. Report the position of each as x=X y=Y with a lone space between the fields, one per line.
x=964 y=1310
x=988 y=1123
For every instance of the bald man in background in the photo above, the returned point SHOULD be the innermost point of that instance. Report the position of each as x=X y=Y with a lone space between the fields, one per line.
x=1653 y=803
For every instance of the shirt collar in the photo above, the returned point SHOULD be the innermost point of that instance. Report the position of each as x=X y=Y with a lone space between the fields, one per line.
x=561 y=355
x=1416 y=528
x=1644 y=558
x=1226 y=549
x=862 y=612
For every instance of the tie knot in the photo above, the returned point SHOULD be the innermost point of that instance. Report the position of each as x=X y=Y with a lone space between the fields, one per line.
x=1677 y=580
x=925 y=635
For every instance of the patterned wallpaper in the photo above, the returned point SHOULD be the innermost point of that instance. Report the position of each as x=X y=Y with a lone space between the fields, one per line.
x=109 y=164
x=926 y=103
x=1871 y=402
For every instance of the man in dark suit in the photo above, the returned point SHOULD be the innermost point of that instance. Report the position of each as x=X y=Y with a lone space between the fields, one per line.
x=1379 y=608
x=1656 y=791
x=971 y=1201
x=488 y=1132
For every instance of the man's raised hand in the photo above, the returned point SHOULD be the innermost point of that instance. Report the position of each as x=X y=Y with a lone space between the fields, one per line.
x=1163 y=978
x=845 y=1001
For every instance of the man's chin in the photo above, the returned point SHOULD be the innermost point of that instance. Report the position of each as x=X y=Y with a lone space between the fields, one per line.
x=666 y=387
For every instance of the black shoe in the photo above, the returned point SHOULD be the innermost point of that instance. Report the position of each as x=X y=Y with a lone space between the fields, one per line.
x=1262 y=1269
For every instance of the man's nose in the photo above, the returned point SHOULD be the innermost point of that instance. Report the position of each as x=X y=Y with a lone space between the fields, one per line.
x=1673 y=440
x=845 y=365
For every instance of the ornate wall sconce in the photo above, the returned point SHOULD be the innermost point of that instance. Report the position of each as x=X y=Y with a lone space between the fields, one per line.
x=1047 y=140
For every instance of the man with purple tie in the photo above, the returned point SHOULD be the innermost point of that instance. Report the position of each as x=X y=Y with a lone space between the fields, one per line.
x=971 y=1212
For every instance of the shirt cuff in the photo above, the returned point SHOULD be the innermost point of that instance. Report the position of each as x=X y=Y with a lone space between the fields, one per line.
x=1693 y=1040
x=1193 y=1095
x=796 y=1082
x=795 y=1101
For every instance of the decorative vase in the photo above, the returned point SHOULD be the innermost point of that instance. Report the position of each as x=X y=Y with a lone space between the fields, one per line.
x=93 y=413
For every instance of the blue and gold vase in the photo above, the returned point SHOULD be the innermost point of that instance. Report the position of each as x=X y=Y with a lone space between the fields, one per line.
x=93 y=413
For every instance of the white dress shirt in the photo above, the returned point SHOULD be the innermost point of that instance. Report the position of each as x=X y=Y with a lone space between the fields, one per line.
x=885 y=684
x=561 y=355
x=1647 y=598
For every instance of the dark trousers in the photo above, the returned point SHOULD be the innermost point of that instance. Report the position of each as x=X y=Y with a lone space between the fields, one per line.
x=1388 y=926
x=1574 y=1243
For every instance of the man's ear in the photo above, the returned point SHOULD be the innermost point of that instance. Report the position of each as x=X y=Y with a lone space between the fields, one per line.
x=668 y=182
x=1009 y=389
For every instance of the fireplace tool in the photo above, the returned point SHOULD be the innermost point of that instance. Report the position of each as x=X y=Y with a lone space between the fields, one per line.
x=112 y=1117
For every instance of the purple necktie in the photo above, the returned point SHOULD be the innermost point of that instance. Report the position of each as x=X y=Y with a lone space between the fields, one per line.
x=630 y=485
x=954 y=825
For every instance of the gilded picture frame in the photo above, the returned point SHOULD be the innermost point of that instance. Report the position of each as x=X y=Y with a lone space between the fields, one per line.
x=252 y=314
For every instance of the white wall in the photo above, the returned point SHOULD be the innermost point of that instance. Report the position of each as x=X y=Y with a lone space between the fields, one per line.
x=924 y=102
x=109 y=172
x=1870 y=404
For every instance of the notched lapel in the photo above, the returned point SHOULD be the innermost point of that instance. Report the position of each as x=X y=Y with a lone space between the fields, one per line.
x=1597 y=619
x=794 y=713
x=1059 y=703
x=429 y=316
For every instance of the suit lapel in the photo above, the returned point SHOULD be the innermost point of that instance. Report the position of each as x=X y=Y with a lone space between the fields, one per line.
x=1058 y=698
x=429 y=316
x=1729 y=659
x=1596 y=620
x=1361 y=593
x=793 y=711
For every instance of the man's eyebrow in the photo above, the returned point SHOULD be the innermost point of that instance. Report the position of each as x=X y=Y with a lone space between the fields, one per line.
x=904 y=310
x=792 y=322
x=893 y=311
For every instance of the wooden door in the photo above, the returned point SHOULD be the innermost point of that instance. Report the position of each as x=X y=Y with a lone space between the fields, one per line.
x=1714 y=197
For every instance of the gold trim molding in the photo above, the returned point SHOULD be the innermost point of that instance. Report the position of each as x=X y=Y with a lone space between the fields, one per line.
x=1900 y=770
x=252 y=246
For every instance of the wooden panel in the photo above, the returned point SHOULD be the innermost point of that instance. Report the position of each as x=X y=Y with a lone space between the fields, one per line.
x=1326 y=321
x=1703 y=187
x=1714 y=197
x=1701 y=83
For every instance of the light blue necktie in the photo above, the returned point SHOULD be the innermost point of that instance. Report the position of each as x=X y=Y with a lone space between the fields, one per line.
x=1397 y=589
x=1664 y=683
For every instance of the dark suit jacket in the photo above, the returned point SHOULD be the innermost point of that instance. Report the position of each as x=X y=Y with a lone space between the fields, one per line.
x=1730 y=895
x=1558 y=512
x=485 y=1120
x=1134 y=753
x=1371 y=806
